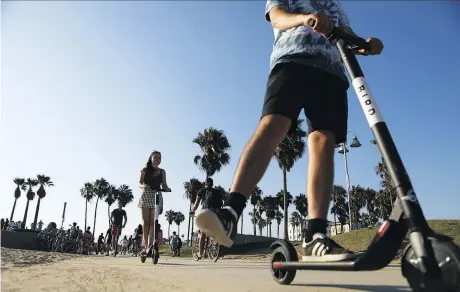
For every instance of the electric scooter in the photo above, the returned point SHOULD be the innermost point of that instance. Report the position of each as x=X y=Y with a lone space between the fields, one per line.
x=154 y=250
x=431 y=261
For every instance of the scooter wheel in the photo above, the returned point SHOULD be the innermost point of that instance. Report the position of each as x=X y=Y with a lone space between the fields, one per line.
x=155 y=257
x=447 y=256
x=142 y=259
x=283 y=277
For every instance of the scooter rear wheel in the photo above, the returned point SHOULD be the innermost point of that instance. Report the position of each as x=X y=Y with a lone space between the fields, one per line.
x=447 y=256
x=283 y=277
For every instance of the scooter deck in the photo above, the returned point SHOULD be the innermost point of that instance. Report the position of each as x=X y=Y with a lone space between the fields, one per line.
x=321 y=266
x=346 y=265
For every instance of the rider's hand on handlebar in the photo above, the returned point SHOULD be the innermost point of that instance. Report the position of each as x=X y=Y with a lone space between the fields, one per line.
x=376 y=47
x=323 y=23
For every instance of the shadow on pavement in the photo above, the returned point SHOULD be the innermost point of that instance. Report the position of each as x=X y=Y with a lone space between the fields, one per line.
x=373 y=288
x=171 y=264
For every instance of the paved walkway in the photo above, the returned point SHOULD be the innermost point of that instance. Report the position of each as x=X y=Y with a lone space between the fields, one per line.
x=98 y=273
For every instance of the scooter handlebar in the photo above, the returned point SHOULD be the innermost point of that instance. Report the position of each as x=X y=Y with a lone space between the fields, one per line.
x=338 y=33
x=162 y=190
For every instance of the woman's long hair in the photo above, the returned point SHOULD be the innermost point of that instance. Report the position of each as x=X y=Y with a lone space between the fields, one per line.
x=148 y=165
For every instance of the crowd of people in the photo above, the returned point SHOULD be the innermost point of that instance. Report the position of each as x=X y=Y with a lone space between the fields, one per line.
x=6 y=224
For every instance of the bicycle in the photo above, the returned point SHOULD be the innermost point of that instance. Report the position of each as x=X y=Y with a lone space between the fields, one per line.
x=211 y=248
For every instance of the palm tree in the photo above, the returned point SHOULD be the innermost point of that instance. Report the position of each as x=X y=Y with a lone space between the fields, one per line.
x=20 y=185
x=112 y=196
x=287 y=153
x=340 y=207
x=178 y=219
x=301 y=205
x=255 y=216
x=278 y=216
x=170 y=218
x=43 y=180
x=261 y=223
x=31 y=182
x=256 y=197
x=295 y=221
x=101 y=189
x=191 y=189
x=358 y=195
x=280 y=199
x=87 y=192
x=214 y=146
x=385 y=183
x=270 y=206
x=125 y=194
x=337 y=192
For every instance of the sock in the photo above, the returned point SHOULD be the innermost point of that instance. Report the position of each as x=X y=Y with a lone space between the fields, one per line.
x=237 y=202
x=315 y=226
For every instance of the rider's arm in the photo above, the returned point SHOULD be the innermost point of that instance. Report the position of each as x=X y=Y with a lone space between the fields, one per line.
x=344 y=24
x=277 y=12
x=141 y=180
x=163 y=183
x=198 y=199
x=126 y=218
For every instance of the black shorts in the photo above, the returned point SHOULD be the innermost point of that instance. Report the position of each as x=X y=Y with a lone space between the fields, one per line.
x=292 y=87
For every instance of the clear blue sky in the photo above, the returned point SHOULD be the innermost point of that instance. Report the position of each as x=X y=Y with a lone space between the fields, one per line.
x=90 y=88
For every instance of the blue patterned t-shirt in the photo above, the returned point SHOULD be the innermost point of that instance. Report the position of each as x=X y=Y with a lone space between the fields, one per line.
x=302 y=44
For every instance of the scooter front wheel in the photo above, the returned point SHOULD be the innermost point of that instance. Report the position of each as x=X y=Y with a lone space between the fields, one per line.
x=283 y=277
x=155 y=256
x=447 y=256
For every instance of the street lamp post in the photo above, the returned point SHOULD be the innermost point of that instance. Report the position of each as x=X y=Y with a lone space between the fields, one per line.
x=343 y=150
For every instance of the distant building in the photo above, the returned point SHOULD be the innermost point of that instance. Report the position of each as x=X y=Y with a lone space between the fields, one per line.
x=295 y=234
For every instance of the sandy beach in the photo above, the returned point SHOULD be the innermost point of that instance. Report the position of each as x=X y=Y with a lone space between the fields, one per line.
x=23 y=270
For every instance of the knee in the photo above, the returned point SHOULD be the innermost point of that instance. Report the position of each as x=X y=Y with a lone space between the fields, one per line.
x=322 y=141
x=273 y=127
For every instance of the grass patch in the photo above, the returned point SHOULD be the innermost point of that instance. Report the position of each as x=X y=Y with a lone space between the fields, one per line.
x=185 y=251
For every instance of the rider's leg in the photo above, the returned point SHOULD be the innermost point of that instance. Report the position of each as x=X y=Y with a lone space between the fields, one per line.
x=114 y=238
x=145 y=225
x=202 y=243
x=327 y=114
x=151 y=227
x=283 y=103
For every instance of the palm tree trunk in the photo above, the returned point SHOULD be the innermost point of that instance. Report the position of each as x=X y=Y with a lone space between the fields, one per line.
x=95 y=213
x=169 y=234
x=335 y=220
x=108 y=213
x=241 y=223
x=25 y=215
x=178 y=228
x=14 y=207
x=286 y=236
x=86 y=211
x=188 y=228
x=278 y=231
x=191 y=232
x=36 y=212
x=254 y=221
